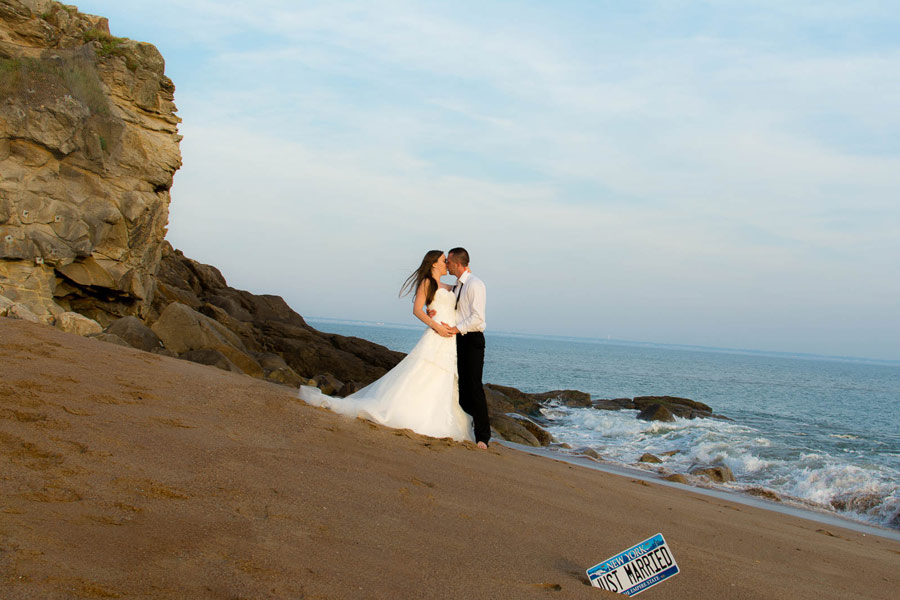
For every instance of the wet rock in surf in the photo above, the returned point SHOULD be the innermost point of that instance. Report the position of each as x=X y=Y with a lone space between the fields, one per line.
x=650 y=458
x=573 y=398
x=715 y=473
x=680 y=407
x=588 y=451
x=677 y=478
x=542 y=435
x=656 y=412
x=613 y=404
x=860 y=503
x=763 y=493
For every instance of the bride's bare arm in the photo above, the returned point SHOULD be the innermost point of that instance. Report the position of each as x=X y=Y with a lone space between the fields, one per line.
x=444 y=286
x=419 y=312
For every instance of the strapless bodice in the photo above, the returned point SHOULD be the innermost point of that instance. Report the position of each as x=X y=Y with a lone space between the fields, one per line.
x=444 y=303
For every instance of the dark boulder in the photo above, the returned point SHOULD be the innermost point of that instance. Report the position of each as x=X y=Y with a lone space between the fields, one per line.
x=716 y=473
x=351 y=387
x=763 y=493
x=133 y=331
x=245 y=330
x=497 y=401
x=183 y=329
x=588 y=451
x=286 y=376
x=211 y=357
x=542 y=435
x=858 y=502
x=270 y=361
x=649 y=458
x=110 y=339
x=613 y=404
x=522 y=403
x=573 y=398
x=512 y=430
x=677 y=478
x=656 y=412
x=680 y=407
x=328 y=383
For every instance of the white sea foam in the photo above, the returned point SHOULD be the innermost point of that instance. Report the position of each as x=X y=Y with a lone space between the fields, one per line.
x=864 y=491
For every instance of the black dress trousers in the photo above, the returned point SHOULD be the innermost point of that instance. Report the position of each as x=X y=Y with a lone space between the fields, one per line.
x=470 y=365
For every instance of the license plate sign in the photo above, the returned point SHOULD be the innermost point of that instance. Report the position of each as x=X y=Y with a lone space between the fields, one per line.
x=639 y=568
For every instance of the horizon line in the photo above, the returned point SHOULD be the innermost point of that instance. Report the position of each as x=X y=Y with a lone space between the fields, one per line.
x=614 y=341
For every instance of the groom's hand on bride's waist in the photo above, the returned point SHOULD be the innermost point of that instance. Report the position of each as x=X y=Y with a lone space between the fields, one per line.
x=431 y=312
x=442 y=329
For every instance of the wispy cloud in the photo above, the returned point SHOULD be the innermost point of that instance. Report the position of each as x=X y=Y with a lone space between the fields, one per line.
x=697 y=173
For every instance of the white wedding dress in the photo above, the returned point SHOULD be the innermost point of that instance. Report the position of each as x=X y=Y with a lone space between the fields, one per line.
x=420 y=393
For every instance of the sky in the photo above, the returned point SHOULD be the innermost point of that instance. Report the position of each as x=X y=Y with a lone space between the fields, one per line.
x=720 y=174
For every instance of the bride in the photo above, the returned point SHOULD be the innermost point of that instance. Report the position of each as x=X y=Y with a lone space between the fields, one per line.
x=421 y=392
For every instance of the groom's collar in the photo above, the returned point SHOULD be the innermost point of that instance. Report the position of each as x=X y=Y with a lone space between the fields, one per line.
x=462 y=279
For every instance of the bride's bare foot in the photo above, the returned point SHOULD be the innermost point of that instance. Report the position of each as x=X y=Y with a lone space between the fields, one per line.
x=482 y=445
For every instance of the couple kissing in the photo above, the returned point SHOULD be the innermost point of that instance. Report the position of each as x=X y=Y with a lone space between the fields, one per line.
x=436 y=390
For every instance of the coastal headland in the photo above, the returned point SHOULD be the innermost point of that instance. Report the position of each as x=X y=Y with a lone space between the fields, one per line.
x=128 y=474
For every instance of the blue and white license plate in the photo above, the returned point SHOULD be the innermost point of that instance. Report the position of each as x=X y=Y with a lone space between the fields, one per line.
x=636 y=569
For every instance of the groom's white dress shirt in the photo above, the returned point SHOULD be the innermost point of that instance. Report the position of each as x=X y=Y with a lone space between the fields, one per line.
x=472 y=299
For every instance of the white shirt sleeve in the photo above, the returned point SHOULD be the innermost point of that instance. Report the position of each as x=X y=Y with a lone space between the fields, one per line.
x=476 y=295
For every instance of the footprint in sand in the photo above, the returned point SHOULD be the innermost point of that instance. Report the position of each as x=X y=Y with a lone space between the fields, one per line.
x=172 y=422
x=152 y=489
x=54 y=494
x=22 y=416
x=27 y=454
x=550 y=587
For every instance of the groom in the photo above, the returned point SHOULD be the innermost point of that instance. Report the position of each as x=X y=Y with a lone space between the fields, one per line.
x=470 y=300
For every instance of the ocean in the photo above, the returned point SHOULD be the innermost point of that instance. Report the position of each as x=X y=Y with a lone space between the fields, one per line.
x=820 y=432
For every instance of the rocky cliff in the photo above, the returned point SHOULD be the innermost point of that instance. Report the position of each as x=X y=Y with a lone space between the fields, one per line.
x=88 y=150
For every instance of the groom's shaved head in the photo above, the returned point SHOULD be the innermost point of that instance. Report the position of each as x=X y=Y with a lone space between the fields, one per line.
x=459 y=255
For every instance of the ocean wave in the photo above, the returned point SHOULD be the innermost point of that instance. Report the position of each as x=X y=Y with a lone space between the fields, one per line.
x=811 y=477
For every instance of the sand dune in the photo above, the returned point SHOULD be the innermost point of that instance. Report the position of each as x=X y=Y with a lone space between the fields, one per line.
x=131 y=475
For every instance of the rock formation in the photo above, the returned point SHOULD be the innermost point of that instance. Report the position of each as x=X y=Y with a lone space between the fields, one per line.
x=88 y=150
x=715 y=473
x=194 y=308
x=649 y=458
x=659 y=408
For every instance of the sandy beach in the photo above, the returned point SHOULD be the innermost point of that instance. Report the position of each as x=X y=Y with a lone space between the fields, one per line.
x=133 y=475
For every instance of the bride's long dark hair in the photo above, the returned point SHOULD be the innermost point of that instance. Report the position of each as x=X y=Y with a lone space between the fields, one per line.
x=421 y=274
